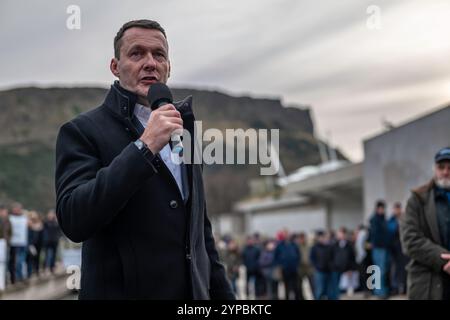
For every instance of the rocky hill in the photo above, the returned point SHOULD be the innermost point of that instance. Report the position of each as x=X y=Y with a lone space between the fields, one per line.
x=30 y=119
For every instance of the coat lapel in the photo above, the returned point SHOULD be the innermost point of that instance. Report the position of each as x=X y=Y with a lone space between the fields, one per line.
x=165 y=170
x=122 y=102
x=185 y=109
x=430 y=213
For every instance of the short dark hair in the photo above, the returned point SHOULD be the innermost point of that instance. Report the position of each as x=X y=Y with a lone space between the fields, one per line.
x=143 y=23
x=343 y=230
x=380 y=204
x=397 y=205
x=320 y=233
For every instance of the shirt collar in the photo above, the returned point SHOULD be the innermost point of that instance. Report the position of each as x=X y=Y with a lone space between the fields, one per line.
x=142 y=112
x=442 y=193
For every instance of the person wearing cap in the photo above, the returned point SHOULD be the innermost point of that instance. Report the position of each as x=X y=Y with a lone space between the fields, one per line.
x=425 y=234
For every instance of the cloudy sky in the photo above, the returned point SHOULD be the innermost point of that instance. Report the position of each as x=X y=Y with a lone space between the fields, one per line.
x=353 y=64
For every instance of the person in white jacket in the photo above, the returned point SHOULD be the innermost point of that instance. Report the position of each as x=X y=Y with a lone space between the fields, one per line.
x=19 y=242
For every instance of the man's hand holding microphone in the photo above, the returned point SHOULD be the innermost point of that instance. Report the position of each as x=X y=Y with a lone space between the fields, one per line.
x=165 y=123
x=160 y=127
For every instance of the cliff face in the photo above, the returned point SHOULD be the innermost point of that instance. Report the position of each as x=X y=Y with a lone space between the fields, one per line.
x=30 y=119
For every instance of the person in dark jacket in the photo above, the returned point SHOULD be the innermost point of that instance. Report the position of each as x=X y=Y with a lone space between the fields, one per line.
x=398 y=258
x=343 y=260
x=35 y=243
x=52 y=234
x=140 y=214
x=269 y=270
x=379 y=239
x=250 y=259
x=287 y=256
x=320 y=257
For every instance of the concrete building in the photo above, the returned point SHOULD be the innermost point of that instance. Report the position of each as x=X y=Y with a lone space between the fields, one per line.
x=343 y=194
x=402 y=158
x=329 y=198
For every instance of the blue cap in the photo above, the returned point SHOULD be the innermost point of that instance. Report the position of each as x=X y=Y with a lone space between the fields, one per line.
x=443 y=154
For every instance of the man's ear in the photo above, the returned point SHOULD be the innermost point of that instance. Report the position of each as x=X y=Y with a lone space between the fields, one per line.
x=113 y=67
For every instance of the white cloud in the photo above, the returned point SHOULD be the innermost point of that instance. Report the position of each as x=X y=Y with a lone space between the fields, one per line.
x=308 y=52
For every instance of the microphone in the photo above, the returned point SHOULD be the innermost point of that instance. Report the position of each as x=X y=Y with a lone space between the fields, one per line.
x=158 y=95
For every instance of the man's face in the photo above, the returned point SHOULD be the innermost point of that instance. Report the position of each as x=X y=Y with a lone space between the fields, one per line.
x=323 y=239
x=143 y=61
x=17 y=210
x=51 y=216
x=341 y=235
x=397 y=211
x=3 y=213
x=442 y=174
x=302 y=239
x=380 y=210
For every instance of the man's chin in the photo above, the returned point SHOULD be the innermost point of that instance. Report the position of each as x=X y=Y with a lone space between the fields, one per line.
x=142 y=90
x=443 y=183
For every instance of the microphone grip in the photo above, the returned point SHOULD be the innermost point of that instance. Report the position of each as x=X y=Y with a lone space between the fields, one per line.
x=175 y=141
x=176 y=144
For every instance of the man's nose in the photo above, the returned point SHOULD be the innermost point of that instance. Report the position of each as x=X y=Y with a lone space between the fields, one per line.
x=150 y=62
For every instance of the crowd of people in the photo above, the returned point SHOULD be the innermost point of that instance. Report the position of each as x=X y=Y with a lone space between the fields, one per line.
x=28 y=244
x=327 y=262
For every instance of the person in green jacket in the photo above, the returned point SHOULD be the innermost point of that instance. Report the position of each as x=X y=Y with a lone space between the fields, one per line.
x=425 y=234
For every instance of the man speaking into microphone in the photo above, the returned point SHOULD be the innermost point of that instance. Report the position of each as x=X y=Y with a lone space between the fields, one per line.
x=141 y=217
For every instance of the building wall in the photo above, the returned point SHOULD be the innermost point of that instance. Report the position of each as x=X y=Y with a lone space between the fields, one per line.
x=347 y=212
x=401 y=159
x=305 y=218
x=228 y=223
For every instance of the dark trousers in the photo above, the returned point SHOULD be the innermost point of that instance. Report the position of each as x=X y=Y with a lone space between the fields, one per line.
x=50 y=256
x=33 y=261
x=446 y=287
x=290 y=280
x=321 y=283
x=333 y=291
x=17 y=260
x=257 y=278
x=301 y=276
x=398 y=272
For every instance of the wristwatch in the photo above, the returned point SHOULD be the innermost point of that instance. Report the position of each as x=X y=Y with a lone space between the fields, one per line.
x=140 y=144
x=145 y=150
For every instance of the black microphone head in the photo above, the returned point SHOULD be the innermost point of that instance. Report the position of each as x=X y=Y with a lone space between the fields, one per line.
x=159 y=94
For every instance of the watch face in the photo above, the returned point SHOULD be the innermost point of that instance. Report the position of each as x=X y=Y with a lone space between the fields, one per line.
x=139 y=144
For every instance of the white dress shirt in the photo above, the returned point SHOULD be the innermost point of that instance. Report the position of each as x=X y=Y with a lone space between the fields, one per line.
x=143 y=114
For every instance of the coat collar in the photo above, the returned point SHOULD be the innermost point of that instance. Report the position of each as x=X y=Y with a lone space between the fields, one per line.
x=426 y=195
x=122 y=103
x=431 y=214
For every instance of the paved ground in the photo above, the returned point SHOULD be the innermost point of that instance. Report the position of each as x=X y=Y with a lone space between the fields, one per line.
x=306 y=289
x=44 y=287
x=54 y=287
